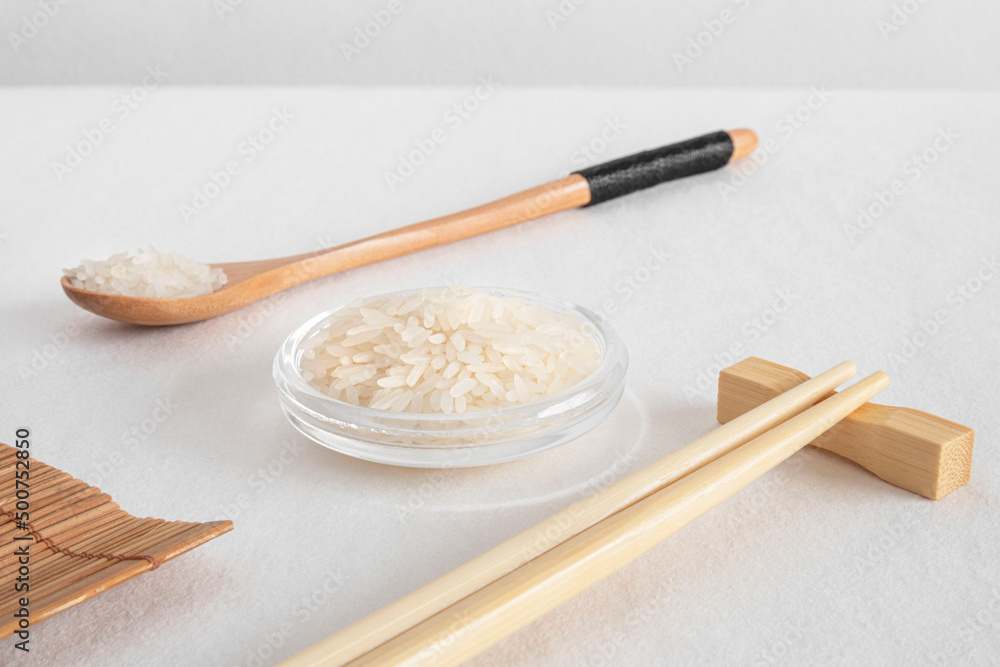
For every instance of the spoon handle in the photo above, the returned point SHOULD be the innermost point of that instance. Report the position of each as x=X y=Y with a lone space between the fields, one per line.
x=560 y=195
x=590 y=186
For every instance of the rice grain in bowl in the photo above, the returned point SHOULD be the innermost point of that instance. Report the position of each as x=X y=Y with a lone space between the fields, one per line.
x=579 y=381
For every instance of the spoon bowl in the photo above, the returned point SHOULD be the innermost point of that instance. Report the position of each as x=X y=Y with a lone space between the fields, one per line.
x=247 y=282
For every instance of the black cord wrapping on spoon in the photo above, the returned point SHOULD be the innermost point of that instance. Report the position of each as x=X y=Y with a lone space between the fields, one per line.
x=659 y=165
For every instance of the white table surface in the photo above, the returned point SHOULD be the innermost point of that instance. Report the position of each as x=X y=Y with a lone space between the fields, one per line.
x=819 y=562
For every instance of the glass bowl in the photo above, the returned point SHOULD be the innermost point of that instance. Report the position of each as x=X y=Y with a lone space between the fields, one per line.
x=440 y=440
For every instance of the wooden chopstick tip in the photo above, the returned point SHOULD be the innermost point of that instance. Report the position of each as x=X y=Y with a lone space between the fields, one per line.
x=845 y=370
x=869 y=386
x=856 y=395
x=877 y=381
x=744 y=143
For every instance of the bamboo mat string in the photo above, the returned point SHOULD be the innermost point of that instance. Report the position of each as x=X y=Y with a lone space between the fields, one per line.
x=153 y=560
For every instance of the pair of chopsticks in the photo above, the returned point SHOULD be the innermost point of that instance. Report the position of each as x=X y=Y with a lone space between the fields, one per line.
x=476 y=605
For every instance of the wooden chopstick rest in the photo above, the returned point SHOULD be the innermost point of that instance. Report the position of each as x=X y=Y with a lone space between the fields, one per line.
x=908 y=448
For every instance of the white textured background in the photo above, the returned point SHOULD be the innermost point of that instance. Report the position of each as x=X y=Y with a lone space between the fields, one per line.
x=850 y=43
x=816 y=563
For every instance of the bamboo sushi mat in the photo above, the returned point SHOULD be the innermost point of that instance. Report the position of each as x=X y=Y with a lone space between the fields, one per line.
x=79 y=542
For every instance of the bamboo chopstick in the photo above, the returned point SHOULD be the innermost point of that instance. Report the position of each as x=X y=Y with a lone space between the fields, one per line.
x=501 y=608
x=391 y=620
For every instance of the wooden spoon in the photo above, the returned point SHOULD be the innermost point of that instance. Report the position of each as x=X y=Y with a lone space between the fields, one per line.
x=251 y=281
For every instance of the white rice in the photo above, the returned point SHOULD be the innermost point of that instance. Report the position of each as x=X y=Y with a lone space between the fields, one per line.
x=448 y=350
x=147 y=273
